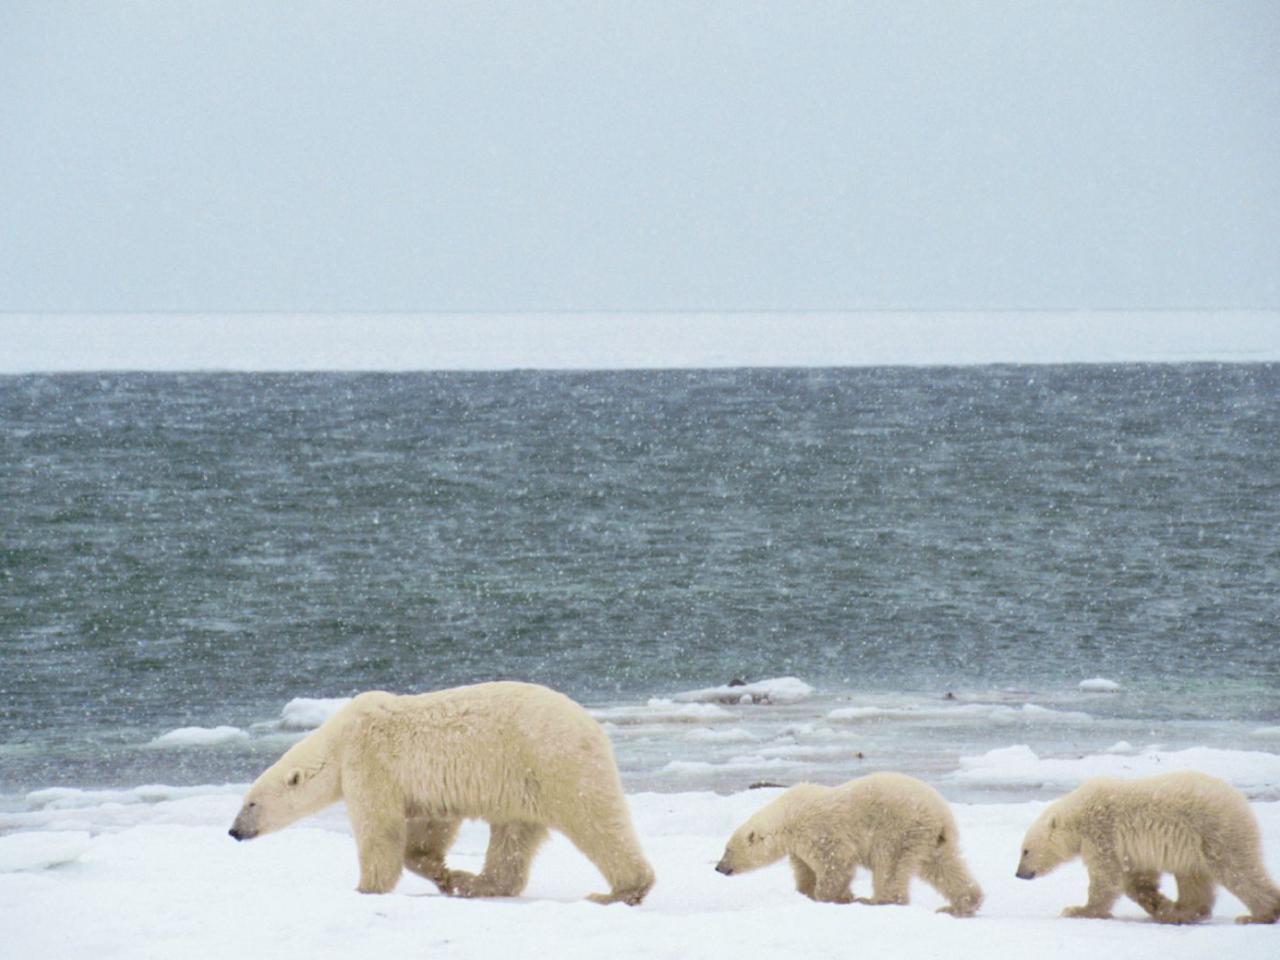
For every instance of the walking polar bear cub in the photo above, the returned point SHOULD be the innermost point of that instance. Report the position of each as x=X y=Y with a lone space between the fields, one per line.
x=1192 y=825
x=897 y=826
x=412 y=768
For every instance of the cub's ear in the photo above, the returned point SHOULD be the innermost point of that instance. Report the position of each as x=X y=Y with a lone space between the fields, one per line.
x=294 y=778
x=1053 y=823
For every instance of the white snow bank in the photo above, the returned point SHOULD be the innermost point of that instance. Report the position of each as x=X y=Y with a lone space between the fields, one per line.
x=291 y=895
x=959 y=713
x=775 y=690
x=199 y=737
x=1268 y=733
x=1253 y=772
x=41 y=850
x=1100 y=685
x=659 y=710
x=306 y=713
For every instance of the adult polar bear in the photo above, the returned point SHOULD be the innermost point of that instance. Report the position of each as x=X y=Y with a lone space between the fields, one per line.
x=412 y=768
x=1128 y=832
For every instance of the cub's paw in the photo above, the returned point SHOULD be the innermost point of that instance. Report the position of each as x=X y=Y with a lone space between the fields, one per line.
x=1087 y=913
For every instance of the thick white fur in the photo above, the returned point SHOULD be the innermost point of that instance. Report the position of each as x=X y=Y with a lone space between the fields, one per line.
x=895 y=825
x=412 y=768
x=1128 y=832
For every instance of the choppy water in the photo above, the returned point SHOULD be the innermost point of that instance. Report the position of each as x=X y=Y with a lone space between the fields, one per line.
x=182 y=550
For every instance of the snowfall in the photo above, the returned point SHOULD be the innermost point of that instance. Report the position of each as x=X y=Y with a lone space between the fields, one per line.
x=152 y=872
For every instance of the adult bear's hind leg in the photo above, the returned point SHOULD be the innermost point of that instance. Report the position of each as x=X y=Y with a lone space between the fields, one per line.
x=506 y=862
x=610 y=843
x=427 y=842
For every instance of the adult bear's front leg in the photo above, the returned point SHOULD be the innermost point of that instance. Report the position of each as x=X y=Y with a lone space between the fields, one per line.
x=381 y=832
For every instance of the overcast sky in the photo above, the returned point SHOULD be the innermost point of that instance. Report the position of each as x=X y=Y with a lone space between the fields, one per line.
x=442 y=156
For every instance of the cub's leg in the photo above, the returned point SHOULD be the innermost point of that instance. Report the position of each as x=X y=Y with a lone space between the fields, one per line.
x=1106 y=879
x=1143 y=888
x=890 y=880
x=947 y=873
x=1196 y=893
x=1251 y=884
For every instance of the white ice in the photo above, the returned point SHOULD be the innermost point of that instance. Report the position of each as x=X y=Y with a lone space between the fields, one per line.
x=307 y=713
x=1100 y=685
x=776 y=690
x=1253 y=772
x=199 y=736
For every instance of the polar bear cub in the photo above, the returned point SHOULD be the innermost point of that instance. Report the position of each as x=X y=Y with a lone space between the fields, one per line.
x=1128 y=832
x=412 y=768
x=895 y=825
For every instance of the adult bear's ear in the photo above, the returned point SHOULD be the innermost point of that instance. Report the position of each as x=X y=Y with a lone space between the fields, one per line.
x=294 y=778
x=1053 y=823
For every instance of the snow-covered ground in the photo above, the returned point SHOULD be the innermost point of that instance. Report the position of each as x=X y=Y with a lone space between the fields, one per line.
x=153 y=873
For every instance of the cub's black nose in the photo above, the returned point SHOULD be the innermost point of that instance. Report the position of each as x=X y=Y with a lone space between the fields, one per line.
x=1025 y=874
x=722 y=868
x=235 y=834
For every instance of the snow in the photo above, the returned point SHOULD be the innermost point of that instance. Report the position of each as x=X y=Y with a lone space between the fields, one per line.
x=776 y=690
x=169 y=882
x=1100 y=685
x=1253 y=772
x=57 y=343
x=199 y=737
x=39 y=850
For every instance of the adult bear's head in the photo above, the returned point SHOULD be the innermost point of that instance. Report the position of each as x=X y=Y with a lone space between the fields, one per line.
x=302 y=782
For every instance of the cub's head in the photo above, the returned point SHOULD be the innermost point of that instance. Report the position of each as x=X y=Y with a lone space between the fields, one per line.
x=758 y=842
x=1047 y=845
x=296 y=786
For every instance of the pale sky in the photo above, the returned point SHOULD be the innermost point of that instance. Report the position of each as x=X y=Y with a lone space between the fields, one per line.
x=251 y=155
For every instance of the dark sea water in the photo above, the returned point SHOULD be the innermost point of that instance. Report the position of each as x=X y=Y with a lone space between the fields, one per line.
x=195 y=550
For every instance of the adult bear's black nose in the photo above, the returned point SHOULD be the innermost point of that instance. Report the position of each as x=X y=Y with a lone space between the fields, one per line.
x=235 y=834
x=724 y=868
x=1025 y=874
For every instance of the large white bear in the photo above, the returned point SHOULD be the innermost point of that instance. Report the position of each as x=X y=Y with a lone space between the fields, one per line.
x=412 y=768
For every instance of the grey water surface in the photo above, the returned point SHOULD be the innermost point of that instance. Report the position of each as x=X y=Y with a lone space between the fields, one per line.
x=195 y=550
